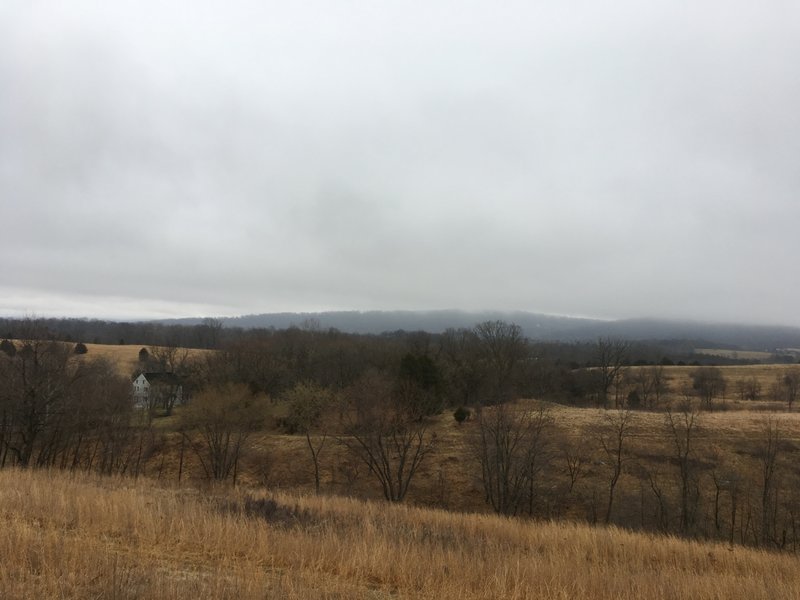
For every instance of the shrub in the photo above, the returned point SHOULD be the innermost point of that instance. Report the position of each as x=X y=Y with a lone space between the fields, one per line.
x=462 y=414
x=8 y=347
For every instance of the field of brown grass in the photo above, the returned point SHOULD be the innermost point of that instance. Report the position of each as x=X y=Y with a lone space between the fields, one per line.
x=81 y=536
x=126 y=357
x=680 y=382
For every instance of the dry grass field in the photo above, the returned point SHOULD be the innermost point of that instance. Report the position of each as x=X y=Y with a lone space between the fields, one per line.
x=126 y=357
x=680 y=383
x=76 y=536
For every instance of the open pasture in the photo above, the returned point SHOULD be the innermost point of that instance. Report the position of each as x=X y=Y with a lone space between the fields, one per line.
x=126 y=357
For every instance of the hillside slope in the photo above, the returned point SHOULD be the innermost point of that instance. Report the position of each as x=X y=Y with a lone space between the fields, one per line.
x=73 y=536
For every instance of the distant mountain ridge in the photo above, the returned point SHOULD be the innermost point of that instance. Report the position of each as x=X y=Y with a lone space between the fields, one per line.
x=534 y=325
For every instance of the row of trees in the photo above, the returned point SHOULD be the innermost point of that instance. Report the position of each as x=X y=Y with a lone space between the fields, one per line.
x=207 y=334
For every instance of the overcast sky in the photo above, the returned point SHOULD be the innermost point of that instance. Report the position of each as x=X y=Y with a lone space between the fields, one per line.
x=605 y=159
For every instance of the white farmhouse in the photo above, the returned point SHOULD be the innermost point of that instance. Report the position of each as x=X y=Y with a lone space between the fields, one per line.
x=157 y=389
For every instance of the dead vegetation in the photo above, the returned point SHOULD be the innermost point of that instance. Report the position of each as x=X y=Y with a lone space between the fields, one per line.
x=78 y=536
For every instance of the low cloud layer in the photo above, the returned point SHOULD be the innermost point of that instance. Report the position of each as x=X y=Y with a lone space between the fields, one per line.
x=217 y=158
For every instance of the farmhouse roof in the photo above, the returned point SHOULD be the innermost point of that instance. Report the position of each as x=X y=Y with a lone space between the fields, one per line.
x=162 y=377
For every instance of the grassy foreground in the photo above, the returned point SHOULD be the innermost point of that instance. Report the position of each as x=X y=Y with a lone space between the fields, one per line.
x=78 y=536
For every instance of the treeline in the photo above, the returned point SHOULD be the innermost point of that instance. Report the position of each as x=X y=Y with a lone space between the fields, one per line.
x=207 y=334
x=214 y=333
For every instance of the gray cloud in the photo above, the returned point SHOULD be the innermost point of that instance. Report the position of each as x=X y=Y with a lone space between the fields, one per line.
x=612 y=160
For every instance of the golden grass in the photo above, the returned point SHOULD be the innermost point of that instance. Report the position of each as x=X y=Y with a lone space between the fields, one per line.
x=126 y=357
x=680 y=380
x=83 y=537
x=651 y=424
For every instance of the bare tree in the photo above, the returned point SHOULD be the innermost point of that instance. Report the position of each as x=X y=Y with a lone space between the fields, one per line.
x=613 y=438
x=382 y=433
x=727 y=480
x=660 y=382
x=656 y=486
x=503 y=347
x=169 y=359
x=224 y=417
x=682 y=427
x=308 y=405
x=174 y=366
x=510 y=445
x=611 y=356
x=642 y=383
x=768 y=453
x=791 y=386
x=649 y=383
x=576 y=455
x=709 y=383
x=748 y=388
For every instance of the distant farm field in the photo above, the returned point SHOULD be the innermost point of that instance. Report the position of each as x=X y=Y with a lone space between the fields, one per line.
x=680 y=382
x=126 y=357
x=735 y=354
